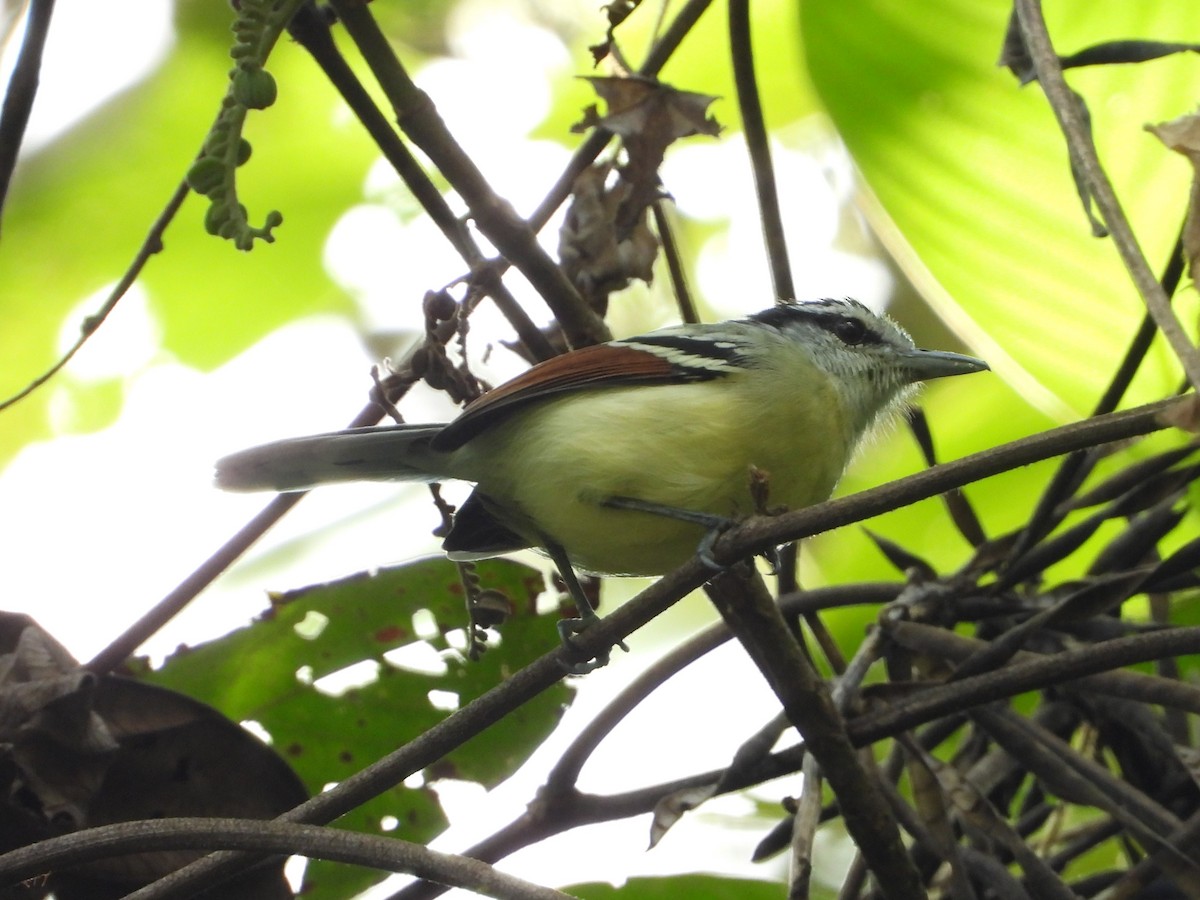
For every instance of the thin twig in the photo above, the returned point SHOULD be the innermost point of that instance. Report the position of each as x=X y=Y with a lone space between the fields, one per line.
x=1091 y=667
x=759 y=147
x=512 y=235
x=311 y=31
x=1070 y=117
x=679 y=284
x=22 y=89
x=1074 y=468
x=151 y=245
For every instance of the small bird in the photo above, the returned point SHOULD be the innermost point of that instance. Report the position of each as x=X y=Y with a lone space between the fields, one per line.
x=619 y=458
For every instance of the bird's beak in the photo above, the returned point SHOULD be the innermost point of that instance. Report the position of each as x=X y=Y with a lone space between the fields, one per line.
x=925 y=364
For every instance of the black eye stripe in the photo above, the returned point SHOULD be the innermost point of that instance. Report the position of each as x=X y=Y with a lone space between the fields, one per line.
x=850 y=330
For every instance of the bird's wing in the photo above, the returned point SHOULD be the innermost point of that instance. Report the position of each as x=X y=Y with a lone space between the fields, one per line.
x=667 y=357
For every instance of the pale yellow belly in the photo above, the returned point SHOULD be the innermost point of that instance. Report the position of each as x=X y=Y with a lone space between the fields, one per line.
x=687 y=446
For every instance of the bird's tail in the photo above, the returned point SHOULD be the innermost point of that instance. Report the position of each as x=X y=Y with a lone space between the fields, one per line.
x=393 y=453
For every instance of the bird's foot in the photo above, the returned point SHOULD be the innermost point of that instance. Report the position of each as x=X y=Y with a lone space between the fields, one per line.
x=568 y=628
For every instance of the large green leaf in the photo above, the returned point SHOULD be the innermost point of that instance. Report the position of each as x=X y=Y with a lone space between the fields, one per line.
x=265 y=673
x=970 y=172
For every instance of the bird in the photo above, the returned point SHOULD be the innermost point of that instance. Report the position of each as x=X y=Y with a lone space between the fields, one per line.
x=627 y=457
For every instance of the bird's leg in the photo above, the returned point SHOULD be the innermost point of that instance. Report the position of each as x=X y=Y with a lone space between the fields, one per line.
x=587 y=613
x=715 y=525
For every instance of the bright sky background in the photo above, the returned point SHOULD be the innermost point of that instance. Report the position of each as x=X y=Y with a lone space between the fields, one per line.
x=148 y=540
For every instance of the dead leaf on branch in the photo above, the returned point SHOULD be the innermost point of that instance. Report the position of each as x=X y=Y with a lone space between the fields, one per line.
x=594 y=253
x=606 y=240
x=1183 y=136
x=79 y=749
x=617 y=12
x=639 y=106
x=648 y=116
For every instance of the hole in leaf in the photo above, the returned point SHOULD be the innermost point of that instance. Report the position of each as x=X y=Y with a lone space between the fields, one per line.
x=311 y=626
x=446 y=701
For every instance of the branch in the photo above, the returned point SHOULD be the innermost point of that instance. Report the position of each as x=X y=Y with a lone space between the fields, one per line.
x=1090 y=667
x=151 y=245
x=387 y=853
x=760 y=533
x=22 y=88
x=311 y=31
x=512 y=236
x=1079 y=140
x=752 y=614
x=760 y=149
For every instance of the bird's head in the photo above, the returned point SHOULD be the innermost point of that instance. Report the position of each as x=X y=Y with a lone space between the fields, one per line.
x=871 y=361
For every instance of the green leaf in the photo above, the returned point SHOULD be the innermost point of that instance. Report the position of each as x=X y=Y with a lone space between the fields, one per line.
x=253 y=674
x=975 y=196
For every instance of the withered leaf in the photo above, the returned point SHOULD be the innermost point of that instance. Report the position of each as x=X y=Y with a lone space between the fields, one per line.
x=1183 y=136
x=616 y=12
x=79 y=749
x=648 y=116
x=600 y=254
x=645 y=108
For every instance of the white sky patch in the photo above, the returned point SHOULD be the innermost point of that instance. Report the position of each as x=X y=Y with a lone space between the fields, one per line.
x=100 y=526
x=110 y=44
x=128 y=340
x=731 y=269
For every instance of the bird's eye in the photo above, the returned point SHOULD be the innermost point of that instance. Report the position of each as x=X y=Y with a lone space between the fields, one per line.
x=850 y=331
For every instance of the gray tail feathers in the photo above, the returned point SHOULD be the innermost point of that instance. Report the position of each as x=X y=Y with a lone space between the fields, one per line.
x=393 y=453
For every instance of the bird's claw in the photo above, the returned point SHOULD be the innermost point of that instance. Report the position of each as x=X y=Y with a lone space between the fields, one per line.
x=567 y=629
x=705 y=549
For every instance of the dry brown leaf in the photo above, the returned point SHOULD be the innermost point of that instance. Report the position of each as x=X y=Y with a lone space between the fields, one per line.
x=616 y=12
x=1184 y=414
x=644 y=107
x=79 y=749
x=1183 y=136
x=598 y=255
x=648 y=116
